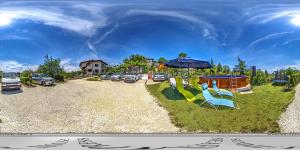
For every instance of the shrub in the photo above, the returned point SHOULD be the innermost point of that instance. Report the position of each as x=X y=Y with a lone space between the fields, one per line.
x=59 y=77
x=294 y=79
x=94 y=78
x=260 y=79
x=26 y=77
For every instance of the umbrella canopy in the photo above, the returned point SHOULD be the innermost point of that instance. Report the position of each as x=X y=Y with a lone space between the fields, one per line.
x=188 y=63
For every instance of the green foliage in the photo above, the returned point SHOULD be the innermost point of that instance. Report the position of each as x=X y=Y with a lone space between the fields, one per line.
x=182 y=55
x=135 y=60
x=241 y=66
x=260 y=78
x=162 y=60
x=71 y=75
x=226 y=69
x=52 y=68
x=220 y=68
x=294 y=76
x=259 y=112
x=26 y=77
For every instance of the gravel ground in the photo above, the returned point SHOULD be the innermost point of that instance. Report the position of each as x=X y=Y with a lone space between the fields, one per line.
x=290 y=120
x=82 y=106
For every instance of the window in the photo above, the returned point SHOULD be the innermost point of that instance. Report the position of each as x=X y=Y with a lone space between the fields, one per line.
x=96 y=65
x=90 y=70
x=96 y=71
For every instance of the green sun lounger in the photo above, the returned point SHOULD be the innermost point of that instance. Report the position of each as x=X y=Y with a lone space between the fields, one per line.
x=222 y=91
x=215 y=102
x=187 y=94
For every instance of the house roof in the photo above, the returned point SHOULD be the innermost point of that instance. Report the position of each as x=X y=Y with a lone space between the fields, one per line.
x=92 y=60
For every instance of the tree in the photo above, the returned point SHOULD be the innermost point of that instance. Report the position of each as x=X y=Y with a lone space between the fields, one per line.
x=219 y=68
x=182 y=55
x=226 y=69
x=52 y=68
x=241 y=66
x=162 y=60
x=135 y=60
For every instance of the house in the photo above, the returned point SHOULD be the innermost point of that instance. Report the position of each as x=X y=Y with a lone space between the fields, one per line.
x=93 y=67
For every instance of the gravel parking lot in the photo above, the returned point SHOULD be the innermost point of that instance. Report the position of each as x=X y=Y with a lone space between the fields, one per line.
x=82 y=106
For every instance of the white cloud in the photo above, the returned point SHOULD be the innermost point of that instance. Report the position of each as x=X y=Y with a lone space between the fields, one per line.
x=52 y=18
x=267 y=37
x=14 y=37
x=14 y=66
x=175 y=14
x=68 y=65
x=296 y=65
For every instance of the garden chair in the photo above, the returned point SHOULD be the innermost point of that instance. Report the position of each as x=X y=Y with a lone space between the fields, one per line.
x=215 y=102
x=187 y=94
x=221 y=91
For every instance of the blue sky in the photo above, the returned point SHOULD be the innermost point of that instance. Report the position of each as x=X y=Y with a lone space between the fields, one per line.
x=265 y=34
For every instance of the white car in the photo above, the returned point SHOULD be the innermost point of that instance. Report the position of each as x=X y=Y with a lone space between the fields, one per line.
x=42 y=79
x=10 y=80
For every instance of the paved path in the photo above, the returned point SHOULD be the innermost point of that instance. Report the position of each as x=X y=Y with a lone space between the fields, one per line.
x=290 y=120
x=82 y=106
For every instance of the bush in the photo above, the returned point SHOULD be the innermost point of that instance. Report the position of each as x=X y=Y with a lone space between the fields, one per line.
x=59 y=77
x=260 y=79
x=26 y=77
x=294 y=79
x=94 y=78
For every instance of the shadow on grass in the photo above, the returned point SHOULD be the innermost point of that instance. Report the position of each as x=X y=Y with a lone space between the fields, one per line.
x=172 y=94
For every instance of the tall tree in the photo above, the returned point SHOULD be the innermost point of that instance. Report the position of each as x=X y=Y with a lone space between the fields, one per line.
x=182 y=55
x=226 y=69
x=51 y=67
x=241 y=66
x=135 y=60
x=219 y=68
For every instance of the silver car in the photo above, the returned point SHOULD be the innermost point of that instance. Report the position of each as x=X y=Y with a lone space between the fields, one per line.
x=10 y=80
x=42 y=79
x=131 y=77
x=159 y=77
x=117 y=77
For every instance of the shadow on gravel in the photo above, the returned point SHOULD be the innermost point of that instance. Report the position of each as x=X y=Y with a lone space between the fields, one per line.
x=11 y=92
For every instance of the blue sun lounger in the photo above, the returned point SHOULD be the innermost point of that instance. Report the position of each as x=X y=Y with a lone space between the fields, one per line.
x=221 y=92
x=215 y=102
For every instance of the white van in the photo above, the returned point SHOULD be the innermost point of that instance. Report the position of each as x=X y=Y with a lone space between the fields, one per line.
x=10 y=80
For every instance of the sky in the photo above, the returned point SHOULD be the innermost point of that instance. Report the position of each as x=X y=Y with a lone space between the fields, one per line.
x=264 y=34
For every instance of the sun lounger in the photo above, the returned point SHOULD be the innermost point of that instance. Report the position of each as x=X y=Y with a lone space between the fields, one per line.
x=187 y=94
x=221 y=91
x=215 y=102
x=173 y=83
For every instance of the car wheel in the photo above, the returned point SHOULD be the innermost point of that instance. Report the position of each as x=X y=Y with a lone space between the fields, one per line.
x=43 y=83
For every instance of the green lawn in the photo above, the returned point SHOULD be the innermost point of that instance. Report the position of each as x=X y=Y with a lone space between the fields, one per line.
x=258 y=113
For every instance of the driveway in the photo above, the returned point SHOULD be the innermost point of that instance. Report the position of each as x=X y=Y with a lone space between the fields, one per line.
x=82 y=106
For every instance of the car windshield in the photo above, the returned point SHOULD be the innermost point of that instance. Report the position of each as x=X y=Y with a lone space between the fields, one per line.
x=10 y=75
x=44 y=75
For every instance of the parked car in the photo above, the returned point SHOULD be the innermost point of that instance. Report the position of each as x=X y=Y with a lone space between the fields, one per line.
x=10 y=80
x=131 y=77
x=117 y=77
x=159 y=77
x=42 y=79
x=105 y=76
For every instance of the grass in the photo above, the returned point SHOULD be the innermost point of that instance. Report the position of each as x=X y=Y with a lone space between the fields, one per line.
x=259 y=112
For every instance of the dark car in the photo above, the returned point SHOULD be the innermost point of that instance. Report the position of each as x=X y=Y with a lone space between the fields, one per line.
x=159 y=77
